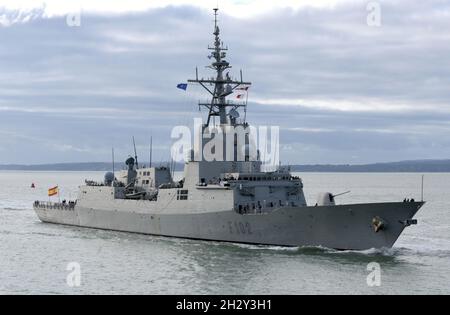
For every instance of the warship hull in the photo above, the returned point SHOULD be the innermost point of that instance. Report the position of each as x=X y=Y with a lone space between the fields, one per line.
x=224 y=194
x=342 y=227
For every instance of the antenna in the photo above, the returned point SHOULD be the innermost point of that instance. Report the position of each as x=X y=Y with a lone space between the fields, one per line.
x=422 y=186
x=151 y=151
x=217 y=85
x=113 y=166
x=135 y=154
x=215 y=17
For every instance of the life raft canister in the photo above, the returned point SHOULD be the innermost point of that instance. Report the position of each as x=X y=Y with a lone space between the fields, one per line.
x=377 y=224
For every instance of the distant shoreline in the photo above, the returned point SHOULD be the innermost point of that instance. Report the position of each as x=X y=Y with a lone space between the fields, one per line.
x=417 y=166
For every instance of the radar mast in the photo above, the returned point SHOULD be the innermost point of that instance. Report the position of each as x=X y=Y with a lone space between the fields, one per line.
x=222 y=85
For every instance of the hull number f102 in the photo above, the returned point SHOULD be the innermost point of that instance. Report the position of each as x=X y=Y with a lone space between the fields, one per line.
x=236 y=227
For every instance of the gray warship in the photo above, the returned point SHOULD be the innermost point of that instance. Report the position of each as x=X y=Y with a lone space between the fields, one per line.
x=234 y=200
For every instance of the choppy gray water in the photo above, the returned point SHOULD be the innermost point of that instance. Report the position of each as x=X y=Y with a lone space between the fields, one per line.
x=34 y=255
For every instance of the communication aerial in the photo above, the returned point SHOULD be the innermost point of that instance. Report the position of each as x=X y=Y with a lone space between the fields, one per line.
x=221 y=85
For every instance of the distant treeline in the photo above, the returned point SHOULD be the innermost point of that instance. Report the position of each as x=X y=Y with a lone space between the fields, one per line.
x=422 y=166
x=87 y=166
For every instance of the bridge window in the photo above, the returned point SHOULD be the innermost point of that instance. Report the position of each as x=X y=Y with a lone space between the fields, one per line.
x=182 y=194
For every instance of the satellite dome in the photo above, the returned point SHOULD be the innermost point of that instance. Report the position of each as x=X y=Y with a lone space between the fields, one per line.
x=109 y=178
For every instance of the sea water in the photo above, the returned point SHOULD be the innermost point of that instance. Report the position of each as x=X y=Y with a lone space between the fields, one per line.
x=40 y=258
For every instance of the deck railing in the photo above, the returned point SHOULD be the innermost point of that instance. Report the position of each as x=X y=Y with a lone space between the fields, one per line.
x=55 y=205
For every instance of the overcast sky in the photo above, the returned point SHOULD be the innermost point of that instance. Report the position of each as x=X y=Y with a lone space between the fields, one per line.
x=341 y=91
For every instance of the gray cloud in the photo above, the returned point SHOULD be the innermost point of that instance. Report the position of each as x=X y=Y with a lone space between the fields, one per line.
x=340 y=90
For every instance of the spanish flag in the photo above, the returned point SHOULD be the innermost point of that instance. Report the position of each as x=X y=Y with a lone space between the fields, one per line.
x=53 y=191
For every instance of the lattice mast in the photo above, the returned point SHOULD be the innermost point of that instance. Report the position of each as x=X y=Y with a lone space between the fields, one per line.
x=222 y=85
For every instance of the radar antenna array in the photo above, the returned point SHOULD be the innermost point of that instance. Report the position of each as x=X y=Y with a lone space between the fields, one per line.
x=220 y=86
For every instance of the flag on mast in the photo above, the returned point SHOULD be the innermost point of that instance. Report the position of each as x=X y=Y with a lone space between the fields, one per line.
x=243 y=91
x=182 y=86
x=53 y=191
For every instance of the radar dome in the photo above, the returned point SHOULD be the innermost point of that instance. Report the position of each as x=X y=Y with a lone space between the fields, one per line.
x=109 y=178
